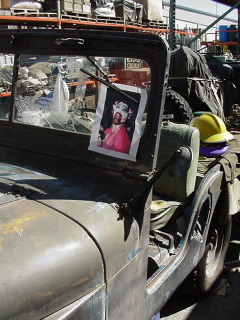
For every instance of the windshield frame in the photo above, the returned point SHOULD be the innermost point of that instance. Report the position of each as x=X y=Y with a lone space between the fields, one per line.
x=107 y=44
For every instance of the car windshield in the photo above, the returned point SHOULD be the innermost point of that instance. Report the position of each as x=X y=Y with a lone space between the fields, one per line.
x=63 y=92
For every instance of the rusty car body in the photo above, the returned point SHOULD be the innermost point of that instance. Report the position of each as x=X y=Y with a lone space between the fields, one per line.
x=78 y=237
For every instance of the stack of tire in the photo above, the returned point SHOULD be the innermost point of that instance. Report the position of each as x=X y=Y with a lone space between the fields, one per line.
x=176 y=105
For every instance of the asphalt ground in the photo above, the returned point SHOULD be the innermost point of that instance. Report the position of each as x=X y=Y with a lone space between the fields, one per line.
x=223 y=302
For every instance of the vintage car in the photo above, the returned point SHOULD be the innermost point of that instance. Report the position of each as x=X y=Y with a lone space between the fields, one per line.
x=105 y=208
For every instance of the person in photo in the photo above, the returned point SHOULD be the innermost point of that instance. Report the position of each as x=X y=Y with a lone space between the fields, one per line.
x=116 y=137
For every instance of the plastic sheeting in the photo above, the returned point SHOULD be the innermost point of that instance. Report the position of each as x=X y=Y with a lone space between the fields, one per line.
x=103 y=8
x=152 y=9
x=201 y=92
x=26 y=5
x=60 y=96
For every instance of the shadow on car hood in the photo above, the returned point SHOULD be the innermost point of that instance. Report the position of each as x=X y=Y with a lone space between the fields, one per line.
x=47 y=260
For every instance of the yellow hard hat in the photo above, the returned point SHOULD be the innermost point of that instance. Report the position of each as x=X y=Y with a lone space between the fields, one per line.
x=212 y=129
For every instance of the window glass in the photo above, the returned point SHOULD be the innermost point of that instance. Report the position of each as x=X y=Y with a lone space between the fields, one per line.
x=6 y=72
x=62 y=92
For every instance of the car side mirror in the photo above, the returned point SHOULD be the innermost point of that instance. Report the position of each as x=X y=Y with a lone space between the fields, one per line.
x=176 y=166
x=182 y=163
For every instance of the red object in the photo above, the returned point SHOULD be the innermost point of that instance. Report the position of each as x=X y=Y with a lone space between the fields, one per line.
x=5 y=94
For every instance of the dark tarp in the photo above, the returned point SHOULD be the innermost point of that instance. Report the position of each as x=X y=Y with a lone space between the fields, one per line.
x=225 y=73
x=200 y=94
x=229 y=162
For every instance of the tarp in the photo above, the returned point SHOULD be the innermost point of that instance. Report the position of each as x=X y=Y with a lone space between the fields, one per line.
x=225 y=74
x=230 y=166
x=104 y=8
x=201 y=92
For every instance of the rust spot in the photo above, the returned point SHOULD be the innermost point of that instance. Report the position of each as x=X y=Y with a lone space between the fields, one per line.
x=16 y=226
x=80 y=281
x=11 y=226
x=45 y=294
x=75 y=284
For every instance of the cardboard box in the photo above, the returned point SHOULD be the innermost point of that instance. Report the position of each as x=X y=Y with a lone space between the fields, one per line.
x=66 y=5
x=129 y=10
x=76 y=6
x=124 y=74
x=90 y=102
x=152 y=10
x=141 y=74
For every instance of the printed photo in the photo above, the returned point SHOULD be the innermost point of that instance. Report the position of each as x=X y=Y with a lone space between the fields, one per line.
x=117 y=126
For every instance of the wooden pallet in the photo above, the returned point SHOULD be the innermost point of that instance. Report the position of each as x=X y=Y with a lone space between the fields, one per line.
x=83 y=17
x=97 y=19
x=42 y=20
x=75 y=14
x=32 y=13
x=22 y=11
x=5 y=12
x=133 y=23
x=112 y=20
x=155 y=24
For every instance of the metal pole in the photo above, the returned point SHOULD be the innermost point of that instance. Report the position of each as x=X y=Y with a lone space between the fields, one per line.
x=172 y=37
x=213 y=23
x=238 y=35
x=59 y=13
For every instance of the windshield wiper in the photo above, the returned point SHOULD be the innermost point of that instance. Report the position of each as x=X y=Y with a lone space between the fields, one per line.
x=108 y=84
x=93 y=62
x=79 y=43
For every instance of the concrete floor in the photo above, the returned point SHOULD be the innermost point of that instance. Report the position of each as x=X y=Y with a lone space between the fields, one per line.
x=212 y=307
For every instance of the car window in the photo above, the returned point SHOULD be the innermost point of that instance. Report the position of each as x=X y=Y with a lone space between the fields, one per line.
x=62 y=92
x=6 y=72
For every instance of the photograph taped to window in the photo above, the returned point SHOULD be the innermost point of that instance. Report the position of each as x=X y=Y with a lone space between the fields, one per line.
x=117 y=126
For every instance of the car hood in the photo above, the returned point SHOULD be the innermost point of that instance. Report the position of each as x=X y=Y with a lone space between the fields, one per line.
x=47 y=260
x=59 y=238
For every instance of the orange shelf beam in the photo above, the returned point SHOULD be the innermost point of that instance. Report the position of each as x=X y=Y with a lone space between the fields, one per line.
x=44 y=21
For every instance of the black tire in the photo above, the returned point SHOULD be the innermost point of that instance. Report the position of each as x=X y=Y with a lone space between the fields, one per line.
x=211 y=265
x=202 y=279
x=175 y=104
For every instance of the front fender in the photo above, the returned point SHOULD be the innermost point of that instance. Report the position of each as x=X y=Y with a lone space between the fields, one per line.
x=90 y=307
x=204 y=203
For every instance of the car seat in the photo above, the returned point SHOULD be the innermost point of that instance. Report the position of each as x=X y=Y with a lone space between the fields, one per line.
x=170 y=191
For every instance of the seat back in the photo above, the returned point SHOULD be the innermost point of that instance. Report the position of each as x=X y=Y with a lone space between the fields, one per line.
x=175 y=135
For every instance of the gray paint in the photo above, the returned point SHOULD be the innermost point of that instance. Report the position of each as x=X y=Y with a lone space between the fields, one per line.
x=65 y=252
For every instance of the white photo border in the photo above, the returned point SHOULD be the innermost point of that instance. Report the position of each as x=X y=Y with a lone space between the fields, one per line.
x=93 y=146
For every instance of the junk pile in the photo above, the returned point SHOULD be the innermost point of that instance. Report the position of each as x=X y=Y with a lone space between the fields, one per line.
x=214 y=136
x=45 y=97
x=5 y=79
x=233 y=118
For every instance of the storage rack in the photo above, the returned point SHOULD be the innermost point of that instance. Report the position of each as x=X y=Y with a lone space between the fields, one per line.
x=30 y=19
